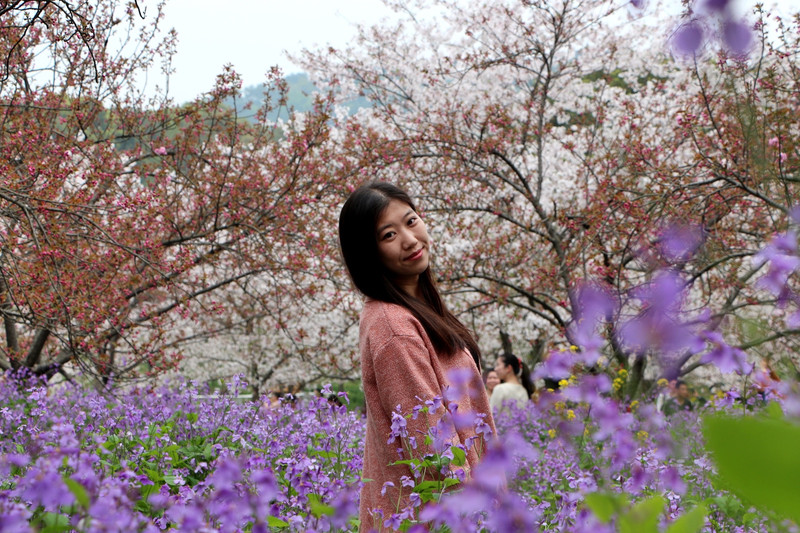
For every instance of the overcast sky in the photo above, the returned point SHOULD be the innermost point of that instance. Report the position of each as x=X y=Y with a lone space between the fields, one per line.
x=253 y=34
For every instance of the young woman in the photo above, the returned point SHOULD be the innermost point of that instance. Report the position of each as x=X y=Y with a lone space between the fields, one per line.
x=409 y=342
x=516 y=381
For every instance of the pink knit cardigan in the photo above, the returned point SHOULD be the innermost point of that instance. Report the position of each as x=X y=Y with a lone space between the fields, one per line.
x=399 y=367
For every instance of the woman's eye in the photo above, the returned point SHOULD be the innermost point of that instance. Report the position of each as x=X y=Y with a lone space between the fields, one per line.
x=412 y=221
x=387 y=235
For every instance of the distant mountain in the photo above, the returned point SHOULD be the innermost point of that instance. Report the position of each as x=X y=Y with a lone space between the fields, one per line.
x=300 y=94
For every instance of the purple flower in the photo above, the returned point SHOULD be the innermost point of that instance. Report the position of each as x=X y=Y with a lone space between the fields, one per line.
x=738 y=37
x=557 y=366
x=590 y=389
x=15 y=518
x=664 y=293
x=415 y=499
x=727 y=358
x=481 y=427
x=659 y=326
x=434 y=404
x=226 y=473
x=780 y=253
x=663 y=334
x=672 y=480
x=688 y=38
x=716 y=5
x=678 y=242
x=46 y=488
x=593 y=305
x=794 y=214
x=399 y=427
x=386 y=485
x=393 y=522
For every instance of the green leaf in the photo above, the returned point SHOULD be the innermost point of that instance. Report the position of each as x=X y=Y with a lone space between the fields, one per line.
x=605 y=506
x=274 y=521
x=192 y=417
x=322 y=453
x=690 y=522
x=774 y=411
x=78 y=490
x=643 y=517
x=155 y=476
x=430 y=486
x=55 y=523
x=460 y=457
x=758 y=459
x=317 y=507
x=171 y=479
x=208 y=451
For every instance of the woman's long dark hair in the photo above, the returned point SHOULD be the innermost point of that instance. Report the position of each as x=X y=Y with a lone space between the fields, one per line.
x=359 y=243
x=520 y=370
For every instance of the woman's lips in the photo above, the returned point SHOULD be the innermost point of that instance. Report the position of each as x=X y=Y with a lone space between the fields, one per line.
x=416 y=255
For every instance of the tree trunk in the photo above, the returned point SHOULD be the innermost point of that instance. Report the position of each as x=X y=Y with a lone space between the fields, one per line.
x=635 y=375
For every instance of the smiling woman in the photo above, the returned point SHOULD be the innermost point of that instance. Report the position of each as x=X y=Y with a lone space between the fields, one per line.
x=410 y=343
x=403 y=245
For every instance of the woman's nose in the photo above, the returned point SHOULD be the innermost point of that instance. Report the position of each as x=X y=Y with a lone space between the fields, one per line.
x=409 y=240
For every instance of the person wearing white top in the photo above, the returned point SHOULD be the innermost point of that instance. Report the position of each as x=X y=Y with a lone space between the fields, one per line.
x=516 y=381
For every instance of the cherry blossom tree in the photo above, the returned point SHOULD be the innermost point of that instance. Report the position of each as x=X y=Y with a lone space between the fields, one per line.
x=553 y=143
x=130 y=226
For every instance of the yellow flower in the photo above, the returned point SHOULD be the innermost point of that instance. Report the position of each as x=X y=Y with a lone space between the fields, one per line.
x=623 y=373
x=570 y=414
x=642 y=435
x=662 y=382
x=617 y=384
x=551 y=433
x=560 y=405
x=634 y=405
x=563 y=383
x=573 y=348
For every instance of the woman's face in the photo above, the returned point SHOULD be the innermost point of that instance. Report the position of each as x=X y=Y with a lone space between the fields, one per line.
x=403 y=244
x=492 y=380
x=503 y=370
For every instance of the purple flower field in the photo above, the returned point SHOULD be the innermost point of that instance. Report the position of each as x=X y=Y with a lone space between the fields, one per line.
x=582 y=458
x=169 y=459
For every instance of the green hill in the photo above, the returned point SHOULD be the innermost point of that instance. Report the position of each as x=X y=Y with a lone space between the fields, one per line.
x=300 y=94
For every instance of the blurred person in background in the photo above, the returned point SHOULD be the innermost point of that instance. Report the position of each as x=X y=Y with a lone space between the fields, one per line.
x=516 y=381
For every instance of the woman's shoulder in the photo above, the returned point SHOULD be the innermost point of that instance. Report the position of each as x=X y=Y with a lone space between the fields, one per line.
x=502 y=387
x=508 y=388
x=386 y=318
